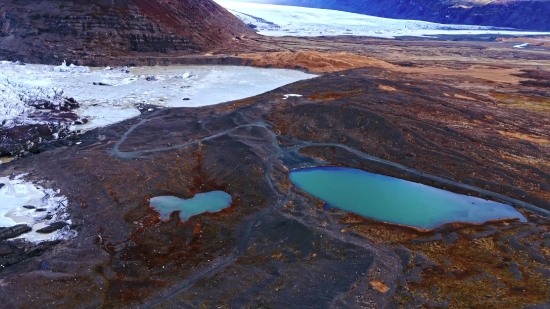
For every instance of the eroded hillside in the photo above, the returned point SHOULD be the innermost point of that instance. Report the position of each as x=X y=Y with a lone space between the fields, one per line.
x=95 y=31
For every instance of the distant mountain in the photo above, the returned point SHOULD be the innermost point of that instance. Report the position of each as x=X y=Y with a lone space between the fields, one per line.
x=521 y=14
x=94 y=31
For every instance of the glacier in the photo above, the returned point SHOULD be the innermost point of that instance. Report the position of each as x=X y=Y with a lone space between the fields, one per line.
x=280 y=20
x=18 y=100
x=110 y=95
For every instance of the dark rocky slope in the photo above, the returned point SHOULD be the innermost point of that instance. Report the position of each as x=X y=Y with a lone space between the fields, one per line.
x=96 y=31
x=532 y=15
x=276 y=247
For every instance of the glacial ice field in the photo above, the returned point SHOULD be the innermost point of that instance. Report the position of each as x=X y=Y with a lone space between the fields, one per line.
x=25 y=203
x=281 y=20
x=108 y=95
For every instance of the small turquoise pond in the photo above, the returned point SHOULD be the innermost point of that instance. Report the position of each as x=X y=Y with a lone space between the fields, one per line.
x=202 y=202
x=394 y=200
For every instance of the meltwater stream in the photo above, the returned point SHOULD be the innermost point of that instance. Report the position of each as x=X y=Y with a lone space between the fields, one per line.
x=394 y=200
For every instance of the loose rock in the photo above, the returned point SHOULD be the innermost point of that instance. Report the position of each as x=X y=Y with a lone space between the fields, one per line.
x=52 y=227
x=14 y=231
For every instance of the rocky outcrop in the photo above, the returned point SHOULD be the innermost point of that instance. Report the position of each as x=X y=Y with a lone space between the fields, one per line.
x=22 y=140
x=93 y=32
x=18 y=250
x=530 y=15
x=14 y=231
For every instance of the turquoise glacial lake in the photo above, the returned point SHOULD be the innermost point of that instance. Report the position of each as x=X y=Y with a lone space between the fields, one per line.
x=394 y=200
x=202 y=202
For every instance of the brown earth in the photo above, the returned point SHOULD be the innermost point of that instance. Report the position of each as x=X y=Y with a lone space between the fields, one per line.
x=538 y=41
x=276 y=246
x=317 y=62
x=313 y=61
x=481 y=131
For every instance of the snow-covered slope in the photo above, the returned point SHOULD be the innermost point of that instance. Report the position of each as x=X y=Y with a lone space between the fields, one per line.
x=279 y=20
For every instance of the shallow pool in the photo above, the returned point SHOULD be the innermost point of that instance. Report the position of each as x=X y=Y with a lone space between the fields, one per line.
x=202 y=202
x=395 y=200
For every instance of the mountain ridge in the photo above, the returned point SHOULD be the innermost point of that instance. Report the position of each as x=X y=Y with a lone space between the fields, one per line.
x=95 y=31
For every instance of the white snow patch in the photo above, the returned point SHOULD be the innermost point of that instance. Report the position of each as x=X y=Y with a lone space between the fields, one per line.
x=286 y=96
x=182 y=76
x=280 y=20
x=63 y=68
x=102 y=115
x=17 y=193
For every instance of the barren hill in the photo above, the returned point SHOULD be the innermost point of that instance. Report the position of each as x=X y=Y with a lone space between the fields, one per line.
x=94 y=31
